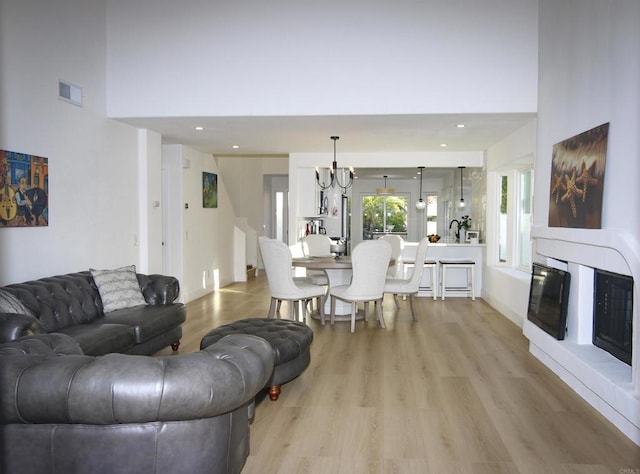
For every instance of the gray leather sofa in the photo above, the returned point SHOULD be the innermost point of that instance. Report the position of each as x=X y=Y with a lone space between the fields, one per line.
x=63 y=412
x=71 y=304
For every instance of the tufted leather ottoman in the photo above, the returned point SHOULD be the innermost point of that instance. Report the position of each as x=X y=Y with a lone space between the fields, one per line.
x=290 y=341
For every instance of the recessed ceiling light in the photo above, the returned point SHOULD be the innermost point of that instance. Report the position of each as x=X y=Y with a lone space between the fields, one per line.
x=460 y=125
x=443 y=145
x=199 y=128
x=235 y=147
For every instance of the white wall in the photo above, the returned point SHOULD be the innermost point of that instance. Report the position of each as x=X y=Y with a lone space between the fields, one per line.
x=590 y=71
x=149 y=239
x=244 y=179
x=93 y=161
x=320 y=58
x=507 y=290
x=207 y=240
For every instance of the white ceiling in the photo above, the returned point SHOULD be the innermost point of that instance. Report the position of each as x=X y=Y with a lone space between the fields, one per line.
x=280 y=136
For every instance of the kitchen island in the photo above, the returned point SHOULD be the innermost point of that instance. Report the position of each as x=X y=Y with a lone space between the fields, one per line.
x=448 y=251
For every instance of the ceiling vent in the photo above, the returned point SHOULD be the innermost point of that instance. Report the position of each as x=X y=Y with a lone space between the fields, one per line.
x=70 y=93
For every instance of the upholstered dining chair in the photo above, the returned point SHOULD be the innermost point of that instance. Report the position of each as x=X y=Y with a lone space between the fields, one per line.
x=369 y=261
x=276 y=257
x=397 y=244
x=409 y=286
x=317 y=245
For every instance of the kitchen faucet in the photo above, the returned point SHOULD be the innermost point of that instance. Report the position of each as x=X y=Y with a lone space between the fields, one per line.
x=457 y=228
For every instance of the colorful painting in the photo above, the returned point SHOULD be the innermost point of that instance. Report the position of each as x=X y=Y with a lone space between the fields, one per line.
x=24 y=190
x=209 y=190
x=577 y=180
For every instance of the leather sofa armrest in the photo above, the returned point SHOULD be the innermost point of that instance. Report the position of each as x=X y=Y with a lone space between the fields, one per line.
x=119 y=388
x=159 y=289
x=14 y=326
x=52 y=344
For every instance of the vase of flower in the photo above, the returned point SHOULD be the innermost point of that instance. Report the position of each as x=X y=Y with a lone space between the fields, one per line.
x=465 y=225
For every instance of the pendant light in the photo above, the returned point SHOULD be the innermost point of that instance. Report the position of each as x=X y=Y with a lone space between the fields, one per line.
x=334 y=173
x=385 y=191
x=421 y=205
x=461 y=204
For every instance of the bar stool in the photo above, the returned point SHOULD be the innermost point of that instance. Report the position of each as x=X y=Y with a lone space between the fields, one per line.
x=432 y=265
x=469 y=266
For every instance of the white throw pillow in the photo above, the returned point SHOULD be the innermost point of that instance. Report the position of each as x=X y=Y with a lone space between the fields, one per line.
x=118 y=288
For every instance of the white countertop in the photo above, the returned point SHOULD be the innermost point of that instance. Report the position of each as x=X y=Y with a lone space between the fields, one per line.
x=446 y=244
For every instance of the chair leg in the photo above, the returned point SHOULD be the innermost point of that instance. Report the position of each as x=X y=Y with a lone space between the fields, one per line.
x=443 y=282
x=434 y=284
x=395 y=298
x=305 y=309
x=321 y=311
x=472 y=281
x=412 y=303
x=379 y=313
x=272 y=308
x=293 y=310
x=333 y=310
x=354 y=310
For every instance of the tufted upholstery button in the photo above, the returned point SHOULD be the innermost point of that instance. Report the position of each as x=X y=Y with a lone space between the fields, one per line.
x=290 y=341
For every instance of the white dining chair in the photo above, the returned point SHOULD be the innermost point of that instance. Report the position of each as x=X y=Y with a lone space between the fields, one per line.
x=409 y=286
x=317 y=245
x=276 y=257
x=397 y=244
x=369 y=260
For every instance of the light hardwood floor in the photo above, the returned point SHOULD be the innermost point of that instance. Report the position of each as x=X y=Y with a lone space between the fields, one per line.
x=455 y=392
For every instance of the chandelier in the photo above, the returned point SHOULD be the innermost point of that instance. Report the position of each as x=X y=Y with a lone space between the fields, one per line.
x=333 y=171
x=421 y=205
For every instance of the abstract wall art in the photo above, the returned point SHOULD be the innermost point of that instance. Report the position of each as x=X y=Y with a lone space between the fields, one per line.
x=577 y=180
x=209 y=190
x=24 y=190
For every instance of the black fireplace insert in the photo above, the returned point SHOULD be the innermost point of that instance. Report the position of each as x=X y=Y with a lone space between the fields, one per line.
x=613 y=314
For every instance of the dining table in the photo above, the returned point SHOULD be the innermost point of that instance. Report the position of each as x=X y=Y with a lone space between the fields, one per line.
x=339 y=272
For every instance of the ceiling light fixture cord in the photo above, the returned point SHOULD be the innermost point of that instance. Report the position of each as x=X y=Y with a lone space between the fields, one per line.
x=421 y=205
x=335 y=180
x=461 y=204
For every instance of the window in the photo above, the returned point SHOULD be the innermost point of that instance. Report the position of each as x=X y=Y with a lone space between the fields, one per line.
x=525 y=218
x=383 y=213
x=514 y=209
x=503 y=238
x=432 y=214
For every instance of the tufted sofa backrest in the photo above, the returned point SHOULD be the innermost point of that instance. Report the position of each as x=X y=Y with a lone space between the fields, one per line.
x=60 y=301
x=68 y=300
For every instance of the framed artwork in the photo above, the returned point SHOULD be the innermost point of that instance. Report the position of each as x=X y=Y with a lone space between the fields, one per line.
x=472 y=237
x=209 y=190
x=24 y=190
x=577 y=180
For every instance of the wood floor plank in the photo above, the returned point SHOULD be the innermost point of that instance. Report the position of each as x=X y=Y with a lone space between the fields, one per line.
x=455 y=392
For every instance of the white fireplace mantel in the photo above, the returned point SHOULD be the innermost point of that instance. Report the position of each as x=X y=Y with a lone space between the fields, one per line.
x=609 y=385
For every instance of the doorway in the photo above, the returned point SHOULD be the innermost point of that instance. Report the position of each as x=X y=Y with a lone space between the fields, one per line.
x=277 y=214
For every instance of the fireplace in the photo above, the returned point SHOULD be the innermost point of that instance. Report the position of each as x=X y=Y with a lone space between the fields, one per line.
x=613 y=314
